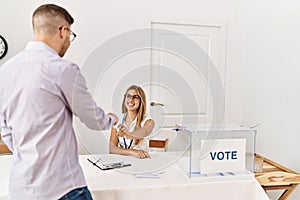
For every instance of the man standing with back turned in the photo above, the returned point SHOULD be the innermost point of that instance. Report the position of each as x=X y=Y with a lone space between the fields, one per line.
x=39 y=94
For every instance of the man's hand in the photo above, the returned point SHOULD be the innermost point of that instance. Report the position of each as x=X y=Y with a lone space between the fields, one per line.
x=115 y=117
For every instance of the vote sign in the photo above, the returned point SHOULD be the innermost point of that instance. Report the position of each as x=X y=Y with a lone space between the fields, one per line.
x=224 y=155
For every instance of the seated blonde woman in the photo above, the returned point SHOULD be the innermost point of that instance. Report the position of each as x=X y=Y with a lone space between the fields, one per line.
x=128 y=137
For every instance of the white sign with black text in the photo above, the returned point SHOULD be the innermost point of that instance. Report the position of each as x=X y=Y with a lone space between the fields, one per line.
x=225 y=155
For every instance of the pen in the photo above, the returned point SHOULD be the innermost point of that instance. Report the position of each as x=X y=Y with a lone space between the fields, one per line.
x=109 y=166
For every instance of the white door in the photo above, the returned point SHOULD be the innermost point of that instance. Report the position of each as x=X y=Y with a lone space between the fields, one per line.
x=181 y=91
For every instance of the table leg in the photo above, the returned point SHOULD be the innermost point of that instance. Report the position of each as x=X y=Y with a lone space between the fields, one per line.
x=287 y=192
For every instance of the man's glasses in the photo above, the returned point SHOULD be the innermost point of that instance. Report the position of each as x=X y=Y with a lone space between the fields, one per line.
x=135 y=97
x=72 y=34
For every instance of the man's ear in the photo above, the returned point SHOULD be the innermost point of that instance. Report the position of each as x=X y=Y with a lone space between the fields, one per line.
x=62 y=32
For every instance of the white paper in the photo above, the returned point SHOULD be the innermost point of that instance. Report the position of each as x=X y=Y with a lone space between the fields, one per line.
x=224 y=155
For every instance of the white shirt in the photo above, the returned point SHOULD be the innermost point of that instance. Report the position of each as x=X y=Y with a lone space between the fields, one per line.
x=39 y=94
x=130 y=143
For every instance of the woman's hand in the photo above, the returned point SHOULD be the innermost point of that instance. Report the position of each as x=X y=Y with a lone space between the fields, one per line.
x=140 y=153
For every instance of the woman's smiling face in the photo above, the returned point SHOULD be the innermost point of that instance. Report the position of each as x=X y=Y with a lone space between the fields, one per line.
x=132 y=100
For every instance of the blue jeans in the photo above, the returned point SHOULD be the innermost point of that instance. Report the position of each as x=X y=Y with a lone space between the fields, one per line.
x=78 y=194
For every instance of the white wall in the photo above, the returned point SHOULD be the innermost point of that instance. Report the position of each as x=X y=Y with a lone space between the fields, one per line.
x=271 y=46
x=262 y=46
x=96 y=22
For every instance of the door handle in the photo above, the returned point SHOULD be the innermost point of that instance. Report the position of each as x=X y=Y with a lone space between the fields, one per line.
x=156 y=104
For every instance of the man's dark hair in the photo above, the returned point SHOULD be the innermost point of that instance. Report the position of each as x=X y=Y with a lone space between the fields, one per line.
x=53 y=10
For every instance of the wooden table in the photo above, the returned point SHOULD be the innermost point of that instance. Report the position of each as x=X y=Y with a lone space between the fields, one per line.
x=277 y=177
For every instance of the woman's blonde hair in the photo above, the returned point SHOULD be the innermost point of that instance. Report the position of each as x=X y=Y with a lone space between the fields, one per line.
x=141 y=111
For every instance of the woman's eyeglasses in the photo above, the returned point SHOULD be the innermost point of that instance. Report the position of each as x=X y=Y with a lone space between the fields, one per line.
x=135 y=97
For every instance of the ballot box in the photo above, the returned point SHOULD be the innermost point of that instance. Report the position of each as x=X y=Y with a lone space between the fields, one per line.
x=215 y=152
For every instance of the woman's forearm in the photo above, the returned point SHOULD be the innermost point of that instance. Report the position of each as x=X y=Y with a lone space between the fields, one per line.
x=143 y=131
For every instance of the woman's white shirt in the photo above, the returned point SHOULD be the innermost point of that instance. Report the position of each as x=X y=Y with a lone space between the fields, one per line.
x=129 y=143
